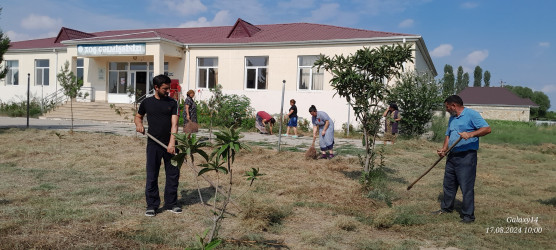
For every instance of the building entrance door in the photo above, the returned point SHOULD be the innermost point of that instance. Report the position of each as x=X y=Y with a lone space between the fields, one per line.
x=140 y=84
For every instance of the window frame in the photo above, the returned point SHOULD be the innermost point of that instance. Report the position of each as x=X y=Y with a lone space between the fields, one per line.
x=128 y=70
x=312 y=70
x=256 y=68
x=42 y=74
x=10 y=78
x=208 y=73
x=79 y=74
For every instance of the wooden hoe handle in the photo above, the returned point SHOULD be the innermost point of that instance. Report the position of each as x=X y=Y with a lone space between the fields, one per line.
x=436 y=162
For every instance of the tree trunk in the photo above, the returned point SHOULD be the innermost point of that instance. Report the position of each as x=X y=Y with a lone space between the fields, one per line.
x=71 y=110
x=367 y=149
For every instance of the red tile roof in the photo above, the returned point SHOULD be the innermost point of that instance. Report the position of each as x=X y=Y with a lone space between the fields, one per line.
x=243 y=29
x=71 y=34
x=493 y=96
x=241 y=32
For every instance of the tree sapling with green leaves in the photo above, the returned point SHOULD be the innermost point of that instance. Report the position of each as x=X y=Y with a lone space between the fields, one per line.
x=362 y=78
x=220 y=161
x=71 y=85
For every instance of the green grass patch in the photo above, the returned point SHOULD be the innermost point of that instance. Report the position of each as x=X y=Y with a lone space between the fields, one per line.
x=44 y=187
x=524 y=133
x=349 y=149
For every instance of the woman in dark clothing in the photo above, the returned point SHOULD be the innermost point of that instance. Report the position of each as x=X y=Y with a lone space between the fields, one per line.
x=393 y=117
x=190 y=112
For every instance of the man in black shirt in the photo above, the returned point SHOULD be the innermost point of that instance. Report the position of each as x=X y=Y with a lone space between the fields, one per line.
x=162 y=117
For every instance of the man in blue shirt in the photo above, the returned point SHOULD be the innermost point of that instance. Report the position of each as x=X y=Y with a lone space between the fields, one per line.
x=461 y=163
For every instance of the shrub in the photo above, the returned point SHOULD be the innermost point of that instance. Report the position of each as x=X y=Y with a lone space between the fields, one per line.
x=19 y=109
x=345 y=128
x=417 y=96
x=438 y=128
x=229 y=110
x=304 y=125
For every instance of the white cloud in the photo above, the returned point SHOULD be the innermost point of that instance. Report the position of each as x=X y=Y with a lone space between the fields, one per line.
x=297 y=4
x=469 y=5
x=407 y=23
x=249 y=10
x=15 y=36
x=186 y=7
x=544 y=44
x=442 y=50
x=476 y=57
x=221 y=18
x=549 y=88
x=324 y=12
x=332 y=14
x=40 y=22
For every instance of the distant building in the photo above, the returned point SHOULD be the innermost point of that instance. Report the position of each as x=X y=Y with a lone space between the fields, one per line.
x=117 y=66
x=497 y=103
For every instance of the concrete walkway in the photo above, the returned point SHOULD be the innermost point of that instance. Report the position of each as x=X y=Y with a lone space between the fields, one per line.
x=128 y=129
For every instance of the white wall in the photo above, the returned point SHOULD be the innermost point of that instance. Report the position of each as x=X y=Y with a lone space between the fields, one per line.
x=16 y=93
x=282 y=65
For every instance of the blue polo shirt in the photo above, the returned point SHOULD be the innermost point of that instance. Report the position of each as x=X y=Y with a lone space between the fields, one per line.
x=469 y=120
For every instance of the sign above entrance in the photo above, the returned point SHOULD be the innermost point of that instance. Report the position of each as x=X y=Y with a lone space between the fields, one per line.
x=112 y=49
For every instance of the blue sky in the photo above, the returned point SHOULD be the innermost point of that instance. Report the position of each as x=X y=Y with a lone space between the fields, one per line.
x=514 y=40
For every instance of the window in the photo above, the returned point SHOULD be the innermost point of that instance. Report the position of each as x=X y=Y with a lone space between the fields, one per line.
x=117 y=77
x=310 y=77
x=12 y=78
x=207 y=72
x=256 y=72
x=151 y=74
x=79 y=69
x=41 y=72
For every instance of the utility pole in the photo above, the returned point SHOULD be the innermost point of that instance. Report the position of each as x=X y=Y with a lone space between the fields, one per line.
x=28 y=93
x=281 y=115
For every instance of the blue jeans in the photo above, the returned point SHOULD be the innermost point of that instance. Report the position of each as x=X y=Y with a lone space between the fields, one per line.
x=292 y=122
x=155 y=153
x=461 y=170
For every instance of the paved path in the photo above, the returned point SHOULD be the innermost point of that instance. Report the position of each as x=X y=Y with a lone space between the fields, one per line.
x=128 y=129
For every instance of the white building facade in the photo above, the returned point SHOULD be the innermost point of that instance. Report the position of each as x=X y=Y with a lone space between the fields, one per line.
x=118 y=66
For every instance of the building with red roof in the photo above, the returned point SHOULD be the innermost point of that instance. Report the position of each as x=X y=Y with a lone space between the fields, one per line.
x=497 y=103
x=246 y=59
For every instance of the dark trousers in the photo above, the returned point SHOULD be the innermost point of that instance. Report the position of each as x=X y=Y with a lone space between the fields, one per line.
x=156 y=153
x=461 y=169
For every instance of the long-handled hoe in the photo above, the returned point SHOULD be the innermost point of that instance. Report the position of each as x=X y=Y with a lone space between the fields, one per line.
x=436 y=162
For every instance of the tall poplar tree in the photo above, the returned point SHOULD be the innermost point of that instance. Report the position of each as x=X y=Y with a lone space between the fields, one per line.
x=478 y=75
x=486 y=78
x=465 y=80
x=448 y=87
x=460 y=85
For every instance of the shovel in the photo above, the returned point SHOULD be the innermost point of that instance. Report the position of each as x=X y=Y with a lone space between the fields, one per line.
x=428 y=170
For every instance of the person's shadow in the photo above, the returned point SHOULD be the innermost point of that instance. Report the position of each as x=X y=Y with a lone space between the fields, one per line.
x=457 y=203
x=191 y=196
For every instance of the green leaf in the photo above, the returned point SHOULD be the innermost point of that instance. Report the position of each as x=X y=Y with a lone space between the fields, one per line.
x=223 y=170
x=204 y=170
x=214 y=243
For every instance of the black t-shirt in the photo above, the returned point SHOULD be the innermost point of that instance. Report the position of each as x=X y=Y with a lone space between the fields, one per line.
x=294 y=108
x=159 y=116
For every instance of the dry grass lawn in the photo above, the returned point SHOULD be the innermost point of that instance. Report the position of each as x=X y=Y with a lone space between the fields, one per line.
x=86 y=190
